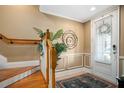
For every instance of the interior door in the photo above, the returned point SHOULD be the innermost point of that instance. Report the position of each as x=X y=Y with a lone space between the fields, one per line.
x=105 y=44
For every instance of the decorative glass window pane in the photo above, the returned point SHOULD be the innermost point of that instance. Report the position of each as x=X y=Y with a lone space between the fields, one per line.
x=103 y=40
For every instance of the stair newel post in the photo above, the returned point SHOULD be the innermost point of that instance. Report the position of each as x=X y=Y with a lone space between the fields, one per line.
x=47 y=58
x=53 y=63
x=53 y=60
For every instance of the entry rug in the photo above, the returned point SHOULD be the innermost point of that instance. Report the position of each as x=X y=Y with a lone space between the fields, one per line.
x=84 y=81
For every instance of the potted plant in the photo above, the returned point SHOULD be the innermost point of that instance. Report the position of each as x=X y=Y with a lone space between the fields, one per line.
x=54 y=36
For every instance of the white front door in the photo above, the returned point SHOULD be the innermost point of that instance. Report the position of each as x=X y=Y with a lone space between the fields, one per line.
x=105 y=46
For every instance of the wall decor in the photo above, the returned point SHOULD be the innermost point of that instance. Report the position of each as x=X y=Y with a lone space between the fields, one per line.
x=70 y=39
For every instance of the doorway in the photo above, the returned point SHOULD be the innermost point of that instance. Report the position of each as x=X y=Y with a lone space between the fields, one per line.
x=105 y=46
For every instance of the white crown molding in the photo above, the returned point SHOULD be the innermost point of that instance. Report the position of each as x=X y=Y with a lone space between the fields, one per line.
x=108 y=10
x=58 y=15
x=112 y=8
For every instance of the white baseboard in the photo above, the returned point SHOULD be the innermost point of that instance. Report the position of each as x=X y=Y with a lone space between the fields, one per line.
x=106 y=77
x=78 y=71
x=70 y=73
x=12 y=80
x=21 y=64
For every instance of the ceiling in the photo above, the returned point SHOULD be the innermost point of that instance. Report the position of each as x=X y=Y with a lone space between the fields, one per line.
x=80 y=13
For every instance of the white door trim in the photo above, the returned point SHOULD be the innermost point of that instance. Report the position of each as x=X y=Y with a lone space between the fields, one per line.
x=92 y=39
x=118 y=49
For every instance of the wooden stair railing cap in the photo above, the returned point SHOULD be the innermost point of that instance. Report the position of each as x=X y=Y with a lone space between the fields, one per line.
x=19 y=41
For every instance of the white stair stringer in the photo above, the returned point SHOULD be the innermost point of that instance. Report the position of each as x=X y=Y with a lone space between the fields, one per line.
x=3 y=61
x=13 y=79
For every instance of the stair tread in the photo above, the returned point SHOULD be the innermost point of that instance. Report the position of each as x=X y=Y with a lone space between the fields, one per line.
x=11 y=72
x=35 y=80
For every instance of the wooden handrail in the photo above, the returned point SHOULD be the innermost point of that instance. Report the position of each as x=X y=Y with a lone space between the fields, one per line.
x=19 y=41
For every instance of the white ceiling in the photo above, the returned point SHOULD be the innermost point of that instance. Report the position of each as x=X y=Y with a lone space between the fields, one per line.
x=80 y=13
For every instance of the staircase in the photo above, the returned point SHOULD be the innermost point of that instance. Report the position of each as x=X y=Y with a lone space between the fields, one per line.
x=12 y=72
x=12 y=75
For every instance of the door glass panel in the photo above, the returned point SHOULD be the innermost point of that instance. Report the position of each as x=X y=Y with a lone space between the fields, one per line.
x=103 y=44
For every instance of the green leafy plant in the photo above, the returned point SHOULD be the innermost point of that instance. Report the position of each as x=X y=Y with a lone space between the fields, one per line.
x=60 y=47
x=57 y=35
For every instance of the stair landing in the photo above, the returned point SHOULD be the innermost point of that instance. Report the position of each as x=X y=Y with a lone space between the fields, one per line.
x=33 y=81
x=8 y=73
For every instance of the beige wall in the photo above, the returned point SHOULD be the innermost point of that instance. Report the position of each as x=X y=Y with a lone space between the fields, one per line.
x=19 y=52
x=87 y=37
x=122 y=31
x=18 y=21
x=121 y=65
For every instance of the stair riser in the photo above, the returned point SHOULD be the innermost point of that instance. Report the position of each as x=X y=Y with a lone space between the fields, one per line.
x=19 y=64
x=12 y=80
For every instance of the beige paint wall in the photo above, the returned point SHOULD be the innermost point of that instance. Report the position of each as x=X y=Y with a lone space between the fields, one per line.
x=19 y=52
x=121 y=65
x=87 y=37
x=122 y=31
x=18 y=21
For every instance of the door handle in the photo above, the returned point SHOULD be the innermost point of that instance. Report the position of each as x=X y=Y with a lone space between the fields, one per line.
x=114 y=49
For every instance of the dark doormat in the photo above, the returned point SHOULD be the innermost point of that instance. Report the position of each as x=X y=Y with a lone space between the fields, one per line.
x=84 y=81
